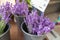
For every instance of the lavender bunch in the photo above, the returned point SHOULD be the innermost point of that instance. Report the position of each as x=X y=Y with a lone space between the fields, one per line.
x=38 y=25
x=6 y=11
x=20 y=8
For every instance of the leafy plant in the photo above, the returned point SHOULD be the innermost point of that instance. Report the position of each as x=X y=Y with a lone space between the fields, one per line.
x=38 y=25
x=28 y=1
x=2 y=26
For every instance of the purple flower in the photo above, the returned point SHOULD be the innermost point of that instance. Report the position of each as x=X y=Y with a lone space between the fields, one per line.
x=46 y=29
x=39 y=33
x=52 y=25
x=6 y=11
x=38 y=24
x=20 y=8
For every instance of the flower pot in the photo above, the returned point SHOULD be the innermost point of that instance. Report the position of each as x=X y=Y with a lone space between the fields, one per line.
x=6 y=34
x=18 y=20
x=28 y=36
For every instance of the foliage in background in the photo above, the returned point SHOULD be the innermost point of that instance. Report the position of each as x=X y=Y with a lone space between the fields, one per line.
x=2 y=26
x=28 y=1
x=29 y=4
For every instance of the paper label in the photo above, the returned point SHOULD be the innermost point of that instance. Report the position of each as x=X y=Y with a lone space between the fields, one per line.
x=40 y=4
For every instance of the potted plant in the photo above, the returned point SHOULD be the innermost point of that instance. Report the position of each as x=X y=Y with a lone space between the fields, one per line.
x=35 y=27
x=20 y=10
x=4 y=31
x=5 y=17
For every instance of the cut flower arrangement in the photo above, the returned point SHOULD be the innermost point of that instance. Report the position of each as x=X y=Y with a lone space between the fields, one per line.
x=38 y=25
x=6 y=11
x=20 y=10
x=30 y=22
x=5 y=17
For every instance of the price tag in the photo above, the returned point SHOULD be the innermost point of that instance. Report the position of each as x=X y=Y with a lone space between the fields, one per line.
x=40 y=4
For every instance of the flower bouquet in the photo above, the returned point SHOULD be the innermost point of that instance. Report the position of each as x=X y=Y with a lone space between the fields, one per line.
x=5 y=17
x=20 y=10
x=35 y=27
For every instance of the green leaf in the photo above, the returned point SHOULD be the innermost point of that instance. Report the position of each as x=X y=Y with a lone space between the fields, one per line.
x=2 y=26
x=28 y=1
